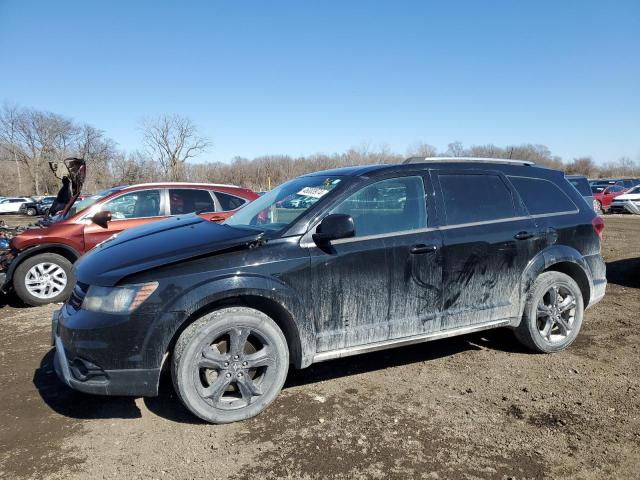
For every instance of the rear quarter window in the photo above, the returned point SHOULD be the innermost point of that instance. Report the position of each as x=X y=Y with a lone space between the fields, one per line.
x=229 y=202
x=542 y=196
x=470 y=198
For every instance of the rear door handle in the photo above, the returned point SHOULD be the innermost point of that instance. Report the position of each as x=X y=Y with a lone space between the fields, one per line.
x=422 y=248
x=524 y=235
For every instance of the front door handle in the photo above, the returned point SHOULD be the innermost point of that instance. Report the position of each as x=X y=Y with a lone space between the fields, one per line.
x=422 y=248
x=524 y=235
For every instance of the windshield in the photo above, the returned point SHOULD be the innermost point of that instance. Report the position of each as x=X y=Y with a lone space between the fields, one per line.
x=598 y=188
x=635 y=190
x=87 y=202
x=280 y=207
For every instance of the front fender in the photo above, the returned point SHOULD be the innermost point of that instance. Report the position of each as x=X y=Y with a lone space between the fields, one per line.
x=241 y=288
x=545 y=259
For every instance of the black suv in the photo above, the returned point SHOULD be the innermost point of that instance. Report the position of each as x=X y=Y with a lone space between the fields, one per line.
x=327 y=265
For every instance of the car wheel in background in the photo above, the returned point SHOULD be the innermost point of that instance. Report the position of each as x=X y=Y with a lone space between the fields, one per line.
x=598 y=207
x=230 y=364
x=44 y=278
x=32 y=212
x=552 y=315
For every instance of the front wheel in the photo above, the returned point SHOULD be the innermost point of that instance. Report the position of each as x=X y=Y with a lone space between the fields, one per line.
x=552 y=315
x=31 y=212
x=230 y=364
x=44 y=278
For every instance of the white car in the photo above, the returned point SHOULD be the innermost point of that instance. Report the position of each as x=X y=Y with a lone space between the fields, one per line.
x=12 y=204
x=627 y=202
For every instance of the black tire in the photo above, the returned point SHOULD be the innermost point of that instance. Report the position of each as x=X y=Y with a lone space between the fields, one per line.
x=20 y=276
x=224 y=374
x=538 y=315
x=32 y=212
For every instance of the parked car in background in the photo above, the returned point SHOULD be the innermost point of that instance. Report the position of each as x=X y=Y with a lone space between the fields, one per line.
x=604 y=195
x=581 y=184
x=38 y=207
x=327 y=265
x=38 y=266
x=628 y=202
x=12 y=204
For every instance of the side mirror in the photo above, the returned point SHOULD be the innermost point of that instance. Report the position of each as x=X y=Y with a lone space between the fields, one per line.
x=102 y=218
x=333 y=227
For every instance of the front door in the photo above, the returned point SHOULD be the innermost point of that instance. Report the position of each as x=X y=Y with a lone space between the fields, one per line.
x=488 y=240
x=127 y=211
x=384 y=283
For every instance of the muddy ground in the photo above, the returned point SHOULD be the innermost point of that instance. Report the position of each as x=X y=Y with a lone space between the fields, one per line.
x=471 y=407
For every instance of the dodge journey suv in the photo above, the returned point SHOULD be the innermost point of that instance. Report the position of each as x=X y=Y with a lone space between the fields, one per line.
x=330 y=264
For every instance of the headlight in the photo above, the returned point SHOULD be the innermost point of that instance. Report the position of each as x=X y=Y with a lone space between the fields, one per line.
x=120 y=300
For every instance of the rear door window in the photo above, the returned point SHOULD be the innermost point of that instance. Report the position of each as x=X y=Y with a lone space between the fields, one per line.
x=470 y=198
x=189 y=200
x=542 y=196
x=388 y=206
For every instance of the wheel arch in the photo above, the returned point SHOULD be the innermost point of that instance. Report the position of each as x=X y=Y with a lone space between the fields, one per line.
x=270 y=307
x=64 y=250
x=559 y=258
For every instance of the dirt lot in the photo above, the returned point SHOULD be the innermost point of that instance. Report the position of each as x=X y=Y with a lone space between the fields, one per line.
x=471 y=407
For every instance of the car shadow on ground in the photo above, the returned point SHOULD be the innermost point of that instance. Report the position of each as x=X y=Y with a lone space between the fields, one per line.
x=11 y=300
x=625 y=272
x=68 y=402
x=167 y=405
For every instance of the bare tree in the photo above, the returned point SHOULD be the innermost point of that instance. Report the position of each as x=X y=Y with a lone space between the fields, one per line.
x=172 y=140
x=37 y=138
x=8 y=126
x=455 y=149
x=422 y=149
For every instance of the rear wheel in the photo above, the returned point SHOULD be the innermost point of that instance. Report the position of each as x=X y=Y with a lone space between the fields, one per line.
x=31 y=212
x=230 y=364
x=552 y=315
x=44 y=278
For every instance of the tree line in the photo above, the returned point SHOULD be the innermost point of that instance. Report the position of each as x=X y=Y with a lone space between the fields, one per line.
x=30 y=139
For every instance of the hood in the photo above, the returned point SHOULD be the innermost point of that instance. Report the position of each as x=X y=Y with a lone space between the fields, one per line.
x=158 y=244
x=628 y=196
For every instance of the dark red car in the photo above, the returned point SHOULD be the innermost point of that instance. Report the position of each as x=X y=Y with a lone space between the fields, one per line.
x=38 y=265
x=603 y=196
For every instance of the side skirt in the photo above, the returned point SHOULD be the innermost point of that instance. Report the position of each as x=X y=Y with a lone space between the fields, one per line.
x=400 y=342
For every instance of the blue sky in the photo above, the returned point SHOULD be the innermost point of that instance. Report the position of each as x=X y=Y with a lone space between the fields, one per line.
x=320 y=76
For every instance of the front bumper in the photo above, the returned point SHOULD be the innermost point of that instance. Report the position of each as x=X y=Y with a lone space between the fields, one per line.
x=625 y=207
x=84 y=376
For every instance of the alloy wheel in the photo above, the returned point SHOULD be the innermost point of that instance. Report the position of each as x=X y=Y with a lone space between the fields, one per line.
x=556 y=314
x=45 y=280
x=235 y=368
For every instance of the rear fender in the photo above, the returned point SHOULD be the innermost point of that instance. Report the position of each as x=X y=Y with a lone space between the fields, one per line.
x=545 y=260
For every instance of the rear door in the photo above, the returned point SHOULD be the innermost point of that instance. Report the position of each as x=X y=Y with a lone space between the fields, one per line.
x=127 y=211
x=488 y=240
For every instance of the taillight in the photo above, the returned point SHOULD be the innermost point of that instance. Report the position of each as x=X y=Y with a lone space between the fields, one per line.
x=598 y=225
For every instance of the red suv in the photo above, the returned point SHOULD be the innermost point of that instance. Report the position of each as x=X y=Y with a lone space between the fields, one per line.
x=603 y=196
x=38 y=264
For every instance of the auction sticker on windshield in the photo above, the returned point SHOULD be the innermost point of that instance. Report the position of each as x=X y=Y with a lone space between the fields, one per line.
x=313 y=192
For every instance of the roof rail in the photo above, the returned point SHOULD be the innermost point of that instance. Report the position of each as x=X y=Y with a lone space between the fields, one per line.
x=467 y=159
